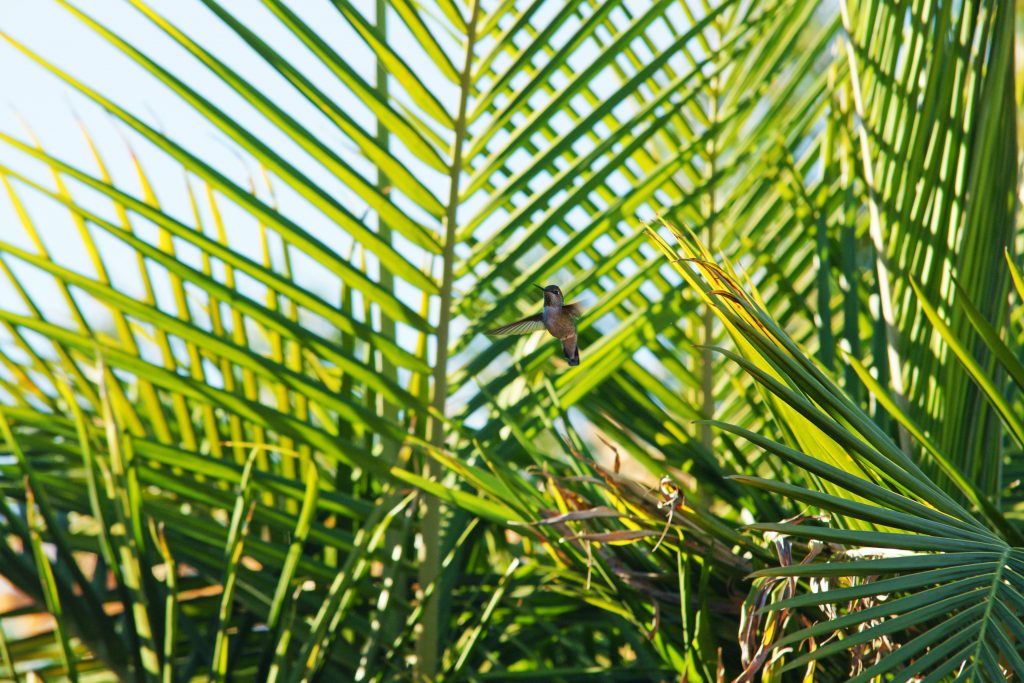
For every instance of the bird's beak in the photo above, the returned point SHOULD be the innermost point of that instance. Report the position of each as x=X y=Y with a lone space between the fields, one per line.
x=538 y=287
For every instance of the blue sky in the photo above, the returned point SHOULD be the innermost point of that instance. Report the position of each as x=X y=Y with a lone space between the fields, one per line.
x=51 y=108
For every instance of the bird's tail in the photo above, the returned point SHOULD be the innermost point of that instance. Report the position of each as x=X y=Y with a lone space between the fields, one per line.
x=572 y=351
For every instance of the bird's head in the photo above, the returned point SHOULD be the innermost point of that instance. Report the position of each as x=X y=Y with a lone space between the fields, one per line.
x=552 y=295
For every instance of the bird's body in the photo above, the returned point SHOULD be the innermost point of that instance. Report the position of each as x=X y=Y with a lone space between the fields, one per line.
x=558 y=318
x=561 y=324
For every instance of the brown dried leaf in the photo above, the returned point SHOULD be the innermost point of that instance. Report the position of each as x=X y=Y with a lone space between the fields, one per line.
x=620 y=536
x=600 y=511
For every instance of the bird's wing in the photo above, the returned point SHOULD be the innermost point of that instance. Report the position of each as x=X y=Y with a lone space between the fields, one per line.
x=524 y=326
x=575 y=309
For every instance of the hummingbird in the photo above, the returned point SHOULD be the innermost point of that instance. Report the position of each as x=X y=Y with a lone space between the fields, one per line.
x=558 y=318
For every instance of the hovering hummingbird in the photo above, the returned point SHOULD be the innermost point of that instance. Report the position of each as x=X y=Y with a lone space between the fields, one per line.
x=558 y=318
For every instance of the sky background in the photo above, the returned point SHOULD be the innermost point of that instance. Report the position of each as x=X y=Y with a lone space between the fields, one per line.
x=53 y=110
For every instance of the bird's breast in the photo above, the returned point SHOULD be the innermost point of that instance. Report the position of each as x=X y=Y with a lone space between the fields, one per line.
x=557 y=321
